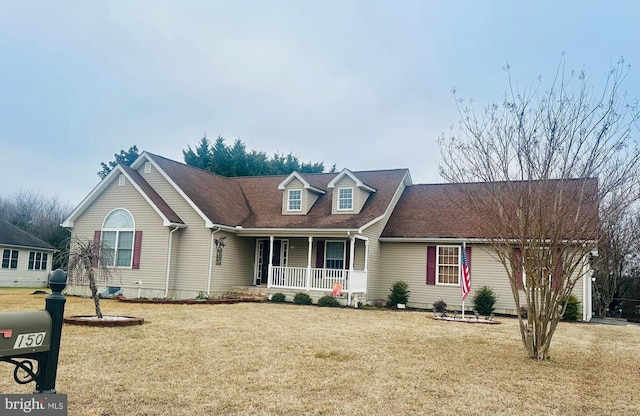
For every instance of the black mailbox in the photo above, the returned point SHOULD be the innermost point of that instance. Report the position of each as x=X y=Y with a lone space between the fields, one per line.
x=24 y=333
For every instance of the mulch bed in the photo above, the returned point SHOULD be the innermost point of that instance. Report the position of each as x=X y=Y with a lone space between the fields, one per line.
x=190 y=301
x=106 y=321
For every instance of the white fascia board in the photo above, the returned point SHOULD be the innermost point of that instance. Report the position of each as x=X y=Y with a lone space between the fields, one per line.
x=31 y=248
x=294 y=231
x=95 y=192
x=347 y=172
x=445 y=240
x=295 y=175
x=207 y=222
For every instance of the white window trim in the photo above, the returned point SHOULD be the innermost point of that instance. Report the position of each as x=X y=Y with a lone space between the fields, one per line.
x=117 y=231
x=38 y=262
x=438 y=283
x=289 y=200
x=340 y=199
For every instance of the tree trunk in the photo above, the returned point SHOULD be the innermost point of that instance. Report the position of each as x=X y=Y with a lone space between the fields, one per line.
x=94 y=293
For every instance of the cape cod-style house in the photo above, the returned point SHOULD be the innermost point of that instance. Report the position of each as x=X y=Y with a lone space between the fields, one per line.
x=176 y=231
x=26 y=259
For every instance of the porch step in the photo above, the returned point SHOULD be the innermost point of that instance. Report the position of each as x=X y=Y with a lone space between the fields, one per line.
x=247 y=292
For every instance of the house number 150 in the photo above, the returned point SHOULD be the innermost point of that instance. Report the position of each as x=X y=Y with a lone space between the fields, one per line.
x=34 y=339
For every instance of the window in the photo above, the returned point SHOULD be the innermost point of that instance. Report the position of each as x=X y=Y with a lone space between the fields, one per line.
x=334 y=255
x=117 y=238
x=37 y=261
x=295 y=200
x=345 y=199
x=10 y=259
x=448 y=265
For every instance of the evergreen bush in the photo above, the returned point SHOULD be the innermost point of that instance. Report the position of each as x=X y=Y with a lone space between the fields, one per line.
x=302 y=298
x=328 y=301
x=572 y=312
x=399 y=294
x=278 y=297
x=484 y=300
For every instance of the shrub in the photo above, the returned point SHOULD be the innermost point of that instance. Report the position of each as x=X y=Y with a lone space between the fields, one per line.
x=573 y=309
x=278 y=297
x=523 y=312
x=399 y=293
x=328 y=301
x=302 y=299
x=484 y=300
x=440 y=306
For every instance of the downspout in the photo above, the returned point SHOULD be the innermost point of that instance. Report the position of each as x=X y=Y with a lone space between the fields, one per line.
x=166 y=282
x=213 y=233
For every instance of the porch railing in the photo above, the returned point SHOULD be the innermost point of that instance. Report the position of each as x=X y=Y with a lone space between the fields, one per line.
x=317 y=279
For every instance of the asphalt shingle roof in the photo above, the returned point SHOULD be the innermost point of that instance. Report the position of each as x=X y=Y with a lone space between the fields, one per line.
x=10 y=235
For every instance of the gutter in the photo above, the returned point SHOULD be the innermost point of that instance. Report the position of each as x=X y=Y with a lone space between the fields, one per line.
x=210 y=272
x=166 y=282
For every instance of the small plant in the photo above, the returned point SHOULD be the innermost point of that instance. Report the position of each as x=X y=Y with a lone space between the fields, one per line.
x=399 y=294
x=201 y=296
x=278 y=297
x=440 y=306
x=523 y=312
x=378 y=303
x=484 y=300
x=328 y=301
x=572 y=310
x=302 y=298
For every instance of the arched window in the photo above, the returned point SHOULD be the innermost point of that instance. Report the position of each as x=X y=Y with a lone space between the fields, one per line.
x=117 y=238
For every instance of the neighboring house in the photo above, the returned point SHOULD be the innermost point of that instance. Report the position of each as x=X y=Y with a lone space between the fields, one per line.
x=177 y=231
x=26 y=260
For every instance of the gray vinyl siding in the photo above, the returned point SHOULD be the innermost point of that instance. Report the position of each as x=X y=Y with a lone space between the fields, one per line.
x=236 y=267
x=408 y=262
x=360 y=196
x=154 y=235
x=377 y=287
x=191 y=245
x=308 y=198
x=22 y=276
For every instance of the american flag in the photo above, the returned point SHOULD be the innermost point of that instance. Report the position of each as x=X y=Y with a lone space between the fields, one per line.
x=465 y=278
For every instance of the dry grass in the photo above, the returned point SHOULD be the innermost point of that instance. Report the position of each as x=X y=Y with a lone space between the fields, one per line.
x=274 y=359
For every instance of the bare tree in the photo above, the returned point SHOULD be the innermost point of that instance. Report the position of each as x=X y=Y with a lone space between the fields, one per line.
x=538 y=210
x=88 y=262
x=617 y=261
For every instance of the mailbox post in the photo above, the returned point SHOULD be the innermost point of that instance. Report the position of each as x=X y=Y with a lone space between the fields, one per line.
x=35 y=336
x=55 y=306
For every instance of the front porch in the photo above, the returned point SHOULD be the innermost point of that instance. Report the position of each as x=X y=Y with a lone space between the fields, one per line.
x=339 y=264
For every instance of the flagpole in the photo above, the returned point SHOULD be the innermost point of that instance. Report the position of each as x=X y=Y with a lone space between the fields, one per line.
x=464 y=247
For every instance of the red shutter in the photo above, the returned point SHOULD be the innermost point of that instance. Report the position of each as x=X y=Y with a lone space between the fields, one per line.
x=320 y=254
x=137 y=245
x=556 y=277
x=96 y=248
x=431 y=265
x=517 y=273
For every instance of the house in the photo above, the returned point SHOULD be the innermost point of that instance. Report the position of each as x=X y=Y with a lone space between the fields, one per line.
x=26 y=260
x=176 y=231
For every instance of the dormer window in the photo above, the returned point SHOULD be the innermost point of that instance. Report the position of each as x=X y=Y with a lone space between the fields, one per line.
x=345 y=199
x=295 y=199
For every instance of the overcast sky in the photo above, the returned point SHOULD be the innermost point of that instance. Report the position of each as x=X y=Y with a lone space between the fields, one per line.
x=362 y=84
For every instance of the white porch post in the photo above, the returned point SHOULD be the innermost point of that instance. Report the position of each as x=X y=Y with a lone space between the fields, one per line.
x=352 y=251
x=366 y=256
x=270 y=268
x=308 y=279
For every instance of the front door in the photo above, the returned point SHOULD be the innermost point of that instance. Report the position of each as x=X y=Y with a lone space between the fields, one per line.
x=279 y=254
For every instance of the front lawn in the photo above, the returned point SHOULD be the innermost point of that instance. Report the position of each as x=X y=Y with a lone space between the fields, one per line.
x=283 y=359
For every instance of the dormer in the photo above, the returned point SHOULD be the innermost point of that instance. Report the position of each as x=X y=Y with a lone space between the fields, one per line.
x=349 y=193
x=299 y=195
